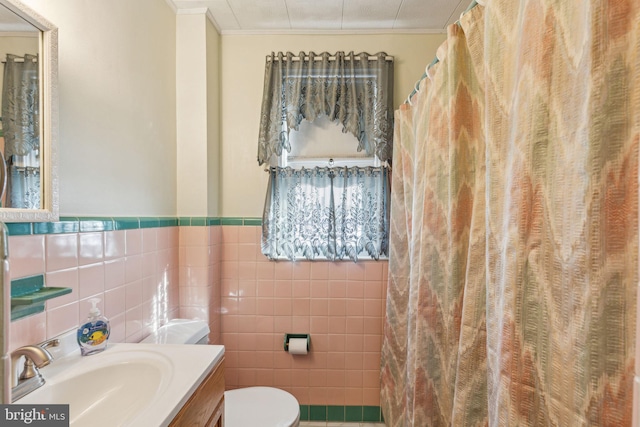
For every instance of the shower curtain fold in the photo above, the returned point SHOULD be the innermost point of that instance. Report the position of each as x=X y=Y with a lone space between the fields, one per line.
x=514 y=222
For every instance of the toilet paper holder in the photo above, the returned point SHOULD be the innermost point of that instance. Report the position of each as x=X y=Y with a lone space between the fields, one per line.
x=287 y=337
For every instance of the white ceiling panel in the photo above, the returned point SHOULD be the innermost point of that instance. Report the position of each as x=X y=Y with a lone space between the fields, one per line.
x=305 y=14
x=462 y=6
x=239 y=16
x=428 y=14
x=261 y=15
x=219 y=9
x=368 y=14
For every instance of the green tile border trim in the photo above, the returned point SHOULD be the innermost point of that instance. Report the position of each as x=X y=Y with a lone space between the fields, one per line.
x=336 y=413
x=72 y=224
x=304 y=412
x=20 y=228
x=333 y=413
x=168 y=222
x=95 y=224
x=252 y=221
x=353 y=413
x=59 y=227
x=241 y=221
x=196 y=221
x=126 y=223
x=371 y=413
x=317 y=413
x=232 y=221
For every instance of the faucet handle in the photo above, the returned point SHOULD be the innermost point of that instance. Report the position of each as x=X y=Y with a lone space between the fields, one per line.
x=38 y=355
x=51 y=343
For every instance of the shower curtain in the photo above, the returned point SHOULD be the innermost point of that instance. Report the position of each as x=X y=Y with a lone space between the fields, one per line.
x=513 y=267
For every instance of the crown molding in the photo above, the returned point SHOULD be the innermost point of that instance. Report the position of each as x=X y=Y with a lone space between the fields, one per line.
x=200 y=11
x=172 y=5
x=213 y=21
x=329 y=32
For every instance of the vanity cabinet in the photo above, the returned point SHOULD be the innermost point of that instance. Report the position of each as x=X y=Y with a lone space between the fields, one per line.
x=205 y=407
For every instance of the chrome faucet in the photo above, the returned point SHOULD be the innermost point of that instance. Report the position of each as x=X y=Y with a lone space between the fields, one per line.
x=30 y=378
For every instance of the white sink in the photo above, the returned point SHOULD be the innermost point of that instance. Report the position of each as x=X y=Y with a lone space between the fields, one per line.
x=127 y=384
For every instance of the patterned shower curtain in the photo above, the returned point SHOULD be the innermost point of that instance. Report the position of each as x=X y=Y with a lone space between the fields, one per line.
x=513 y=267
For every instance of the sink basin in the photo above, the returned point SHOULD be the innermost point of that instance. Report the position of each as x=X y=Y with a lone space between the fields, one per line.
x=128 y=381
x=127 y=384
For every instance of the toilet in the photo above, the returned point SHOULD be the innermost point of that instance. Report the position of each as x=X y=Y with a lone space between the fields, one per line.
x=243 y=407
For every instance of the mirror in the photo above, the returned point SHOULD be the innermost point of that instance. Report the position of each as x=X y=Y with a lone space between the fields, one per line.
x=28 y=93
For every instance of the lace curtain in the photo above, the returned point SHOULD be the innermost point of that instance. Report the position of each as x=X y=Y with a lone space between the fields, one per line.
x=353 y=89
x=21 y=130
x=335 y=213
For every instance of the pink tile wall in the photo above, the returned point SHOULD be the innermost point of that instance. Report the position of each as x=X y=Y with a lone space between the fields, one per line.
x=133 y=272
x=148 y=276
x=340 y=304
x=200 y=249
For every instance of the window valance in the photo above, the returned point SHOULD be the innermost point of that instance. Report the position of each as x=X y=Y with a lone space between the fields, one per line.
x=355 y=90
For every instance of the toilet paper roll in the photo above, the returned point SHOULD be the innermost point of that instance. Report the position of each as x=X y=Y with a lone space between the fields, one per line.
x=298 y=346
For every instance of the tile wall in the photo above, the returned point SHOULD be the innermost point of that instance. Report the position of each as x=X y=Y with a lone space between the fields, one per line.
x=197 y=269
x=134 y=272
x=199 y=272
x=341 y=304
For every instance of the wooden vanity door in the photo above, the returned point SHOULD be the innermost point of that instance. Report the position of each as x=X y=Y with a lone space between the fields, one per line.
x=217 y=420
x=205 y=407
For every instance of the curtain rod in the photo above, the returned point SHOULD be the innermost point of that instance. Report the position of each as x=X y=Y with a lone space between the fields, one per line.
x=21 y=59
x=385 y=165
x=331 y=57
x=473 y=4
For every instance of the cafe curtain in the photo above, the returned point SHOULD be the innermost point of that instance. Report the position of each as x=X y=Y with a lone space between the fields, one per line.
x=326 y=213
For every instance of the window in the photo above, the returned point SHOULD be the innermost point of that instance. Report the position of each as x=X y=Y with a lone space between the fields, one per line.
x=327 y=196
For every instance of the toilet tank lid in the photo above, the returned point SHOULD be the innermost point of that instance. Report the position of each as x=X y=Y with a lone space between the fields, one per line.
x=179 y=331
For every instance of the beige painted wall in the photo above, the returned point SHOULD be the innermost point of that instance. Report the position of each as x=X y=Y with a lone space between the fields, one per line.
x=243 y=181
x=213 y=120
x=123 y=99
x=198 y=114
x=117 y=90
x=191 y=74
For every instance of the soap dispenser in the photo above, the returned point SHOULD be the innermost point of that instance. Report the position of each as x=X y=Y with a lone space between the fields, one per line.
x=94 y=333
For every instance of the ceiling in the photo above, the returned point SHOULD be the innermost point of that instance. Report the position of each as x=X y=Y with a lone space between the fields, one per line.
x=238 y=16
x=10 y=22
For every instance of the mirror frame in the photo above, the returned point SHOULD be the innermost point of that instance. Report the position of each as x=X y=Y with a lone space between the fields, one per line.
x=49 y=116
